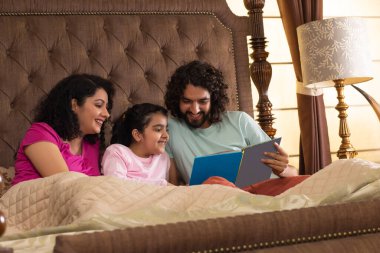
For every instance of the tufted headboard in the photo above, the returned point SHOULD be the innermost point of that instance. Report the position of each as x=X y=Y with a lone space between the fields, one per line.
x=136 y=44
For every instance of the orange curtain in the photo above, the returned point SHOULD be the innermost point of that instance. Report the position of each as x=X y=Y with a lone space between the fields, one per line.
x=314 y=141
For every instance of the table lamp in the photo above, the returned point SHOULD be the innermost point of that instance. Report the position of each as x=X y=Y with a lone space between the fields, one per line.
x=335 y=52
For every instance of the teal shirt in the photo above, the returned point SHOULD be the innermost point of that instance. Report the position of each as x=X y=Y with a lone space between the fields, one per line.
x=236 y=131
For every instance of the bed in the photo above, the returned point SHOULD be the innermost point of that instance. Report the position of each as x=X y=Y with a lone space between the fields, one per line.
x=137 y=45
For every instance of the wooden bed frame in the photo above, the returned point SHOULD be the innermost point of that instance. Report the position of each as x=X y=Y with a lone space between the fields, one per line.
x=138 y=44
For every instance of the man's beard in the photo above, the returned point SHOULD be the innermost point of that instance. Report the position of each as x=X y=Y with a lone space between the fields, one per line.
x=195 y=123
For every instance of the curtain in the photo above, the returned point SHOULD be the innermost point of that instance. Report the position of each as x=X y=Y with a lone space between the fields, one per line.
x=314 y=139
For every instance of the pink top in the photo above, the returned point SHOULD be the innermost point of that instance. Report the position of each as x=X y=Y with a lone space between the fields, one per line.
x=120 y=161
x=86 y=163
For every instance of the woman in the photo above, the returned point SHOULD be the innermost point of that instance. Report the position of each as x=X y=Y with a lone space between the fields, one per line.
x=67 y=133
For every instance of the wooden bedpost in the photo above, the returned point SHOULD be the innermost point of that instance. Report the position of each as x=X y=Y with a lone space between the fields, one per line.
x=261 y=70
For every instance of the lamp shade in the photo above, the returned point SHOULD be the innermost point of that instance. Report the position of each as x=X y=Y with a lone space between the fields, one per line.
x=332 y=49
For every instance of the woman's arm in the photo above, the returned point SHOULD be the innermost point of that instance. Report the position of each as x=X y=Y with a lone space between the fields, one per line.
x=46 y=158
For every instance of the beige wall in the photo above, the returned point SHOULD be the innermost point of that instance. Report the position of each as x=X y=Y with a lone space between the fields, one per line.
x=363 y=123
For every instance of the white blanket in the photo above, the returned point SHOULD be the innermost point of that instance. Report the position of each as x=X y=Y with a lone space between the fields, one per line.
x=37 y=210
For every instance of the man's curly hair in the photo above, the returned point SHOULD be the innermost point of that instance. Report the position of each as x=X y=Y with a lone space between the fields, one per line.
x=199 y=74
x=55 y=108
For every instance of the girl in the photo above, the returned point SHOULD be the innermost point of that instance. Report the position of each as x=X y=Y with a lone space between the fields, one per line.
x=138 y=145
x=67 y=132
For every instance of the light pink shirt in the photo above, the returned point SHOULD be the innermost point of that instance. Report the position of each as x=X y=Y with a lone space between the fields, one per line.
x=86 y=163
x=120 y=161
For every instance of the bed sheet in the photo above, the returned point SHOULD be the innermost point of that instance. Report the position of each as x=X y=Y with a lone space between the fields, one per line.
x=70 y=202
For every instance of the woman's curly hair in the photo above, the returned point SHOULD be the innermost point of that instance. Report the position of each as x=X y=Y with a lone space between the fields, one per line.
x=55 y=108
x=199 y=74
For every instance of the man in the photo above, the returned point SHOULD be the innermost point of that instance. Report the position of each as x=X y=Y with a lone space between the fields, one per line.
x=197 y=98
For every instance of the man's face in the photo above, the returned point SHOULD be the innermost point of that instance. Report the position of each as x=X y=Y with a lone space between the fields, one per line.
x=195 y=106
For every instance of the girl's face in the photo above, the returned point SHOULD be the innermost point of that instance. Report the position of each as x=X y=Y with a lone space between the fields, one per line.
x=155 y=135
x=92 y=114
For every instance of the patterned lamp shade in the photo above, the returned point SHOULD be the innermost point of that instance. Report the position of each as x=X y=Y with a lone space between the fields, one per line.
x=333 y=49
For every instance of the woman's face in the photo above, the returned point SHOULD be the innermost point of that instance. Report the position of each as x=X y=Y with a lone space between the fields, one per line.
x=155 y=135
x=92 y=114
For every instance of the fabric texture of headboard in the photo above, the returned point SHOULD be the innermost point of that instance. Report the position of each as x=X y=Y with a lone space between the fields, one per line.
x=128 y=42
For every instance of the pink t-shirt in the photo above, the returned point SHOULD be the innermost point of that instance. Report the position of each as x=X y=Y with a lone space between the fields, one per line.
x=120 y=161
x=86 y=163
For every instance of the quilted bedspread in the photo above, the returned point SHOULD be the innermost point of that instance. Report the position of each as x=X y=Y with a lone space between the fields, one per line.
x=68 y=203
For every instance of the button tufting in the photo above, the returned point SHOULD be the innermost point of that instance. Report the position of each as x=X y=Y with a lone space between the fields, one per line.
x=30 y=78
x=8 y=52
x=88 y=52
x=12 y=105
x=126 y=50
x=196 y=50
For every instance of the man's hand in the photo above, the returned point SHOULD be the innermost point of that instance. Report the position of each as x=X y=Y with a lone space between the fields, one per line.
x=279 y=162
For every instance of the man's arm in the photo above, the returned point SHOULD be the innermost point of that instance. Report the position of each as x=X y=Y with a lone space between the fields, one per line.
x=279 y=163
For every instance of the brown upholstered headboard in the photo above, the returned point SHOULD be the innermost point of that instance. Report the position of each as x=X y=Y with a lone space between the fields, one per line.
x=135 y=44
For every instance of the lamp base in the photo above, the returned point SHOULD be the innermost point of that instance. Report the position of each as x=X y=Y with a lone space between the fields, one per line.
x=346 y=150
x=347 y=153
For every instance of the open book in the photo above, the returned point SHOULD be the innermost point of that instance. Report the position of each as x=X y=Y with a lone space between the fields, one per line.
x=242 y=168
